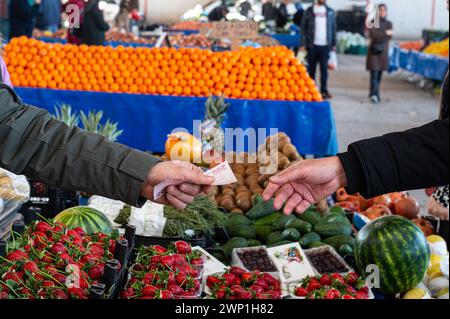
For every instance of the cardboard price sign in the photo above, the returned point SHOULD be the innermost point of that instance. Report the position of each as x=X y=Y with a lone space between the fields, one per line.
x=232 y=30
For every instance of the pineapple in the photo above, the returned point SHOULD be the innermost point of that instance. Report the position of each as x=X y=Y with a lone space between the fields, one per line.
x=212 y=132
x=91 y=123
x=64 y=114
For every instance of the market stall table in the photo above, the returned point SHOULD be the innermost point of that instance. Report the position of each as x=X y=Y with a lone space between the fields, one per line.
x=426 y=65
x=148 y=119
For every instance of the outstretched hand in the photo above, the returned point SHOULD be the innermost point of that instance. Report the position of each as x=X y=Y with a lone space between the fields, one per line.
x=191 y=182
x=305 y=183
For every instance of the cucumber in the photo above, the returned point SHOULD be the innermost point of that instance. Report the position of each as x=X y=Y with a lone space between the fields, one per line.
x=345 y=250
x=339 y=240
x=281 y=223
x=311 y=216
x=233 y=243
x=274 y=237
x=245 y=231
x=262 y=232
x=309 y=238
x=333 y=229
x=268 y=220
x=254 y=243
x=332 y=218
x=317 y=244
x=257 y=200
x=239 y=219
x=338 y=210
x=281 y=243
x=261 y=210
x=291 y=234
x=302 y=226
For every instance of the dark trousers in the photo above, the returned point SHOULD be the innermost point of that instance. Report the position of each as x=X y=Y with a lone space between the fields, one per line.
x=375 y=82
x=319 y=55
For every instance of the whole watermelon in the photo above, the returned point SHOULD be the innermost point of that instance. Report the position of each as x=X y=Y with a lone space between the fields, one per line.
x=89 y=219
x=399 y=249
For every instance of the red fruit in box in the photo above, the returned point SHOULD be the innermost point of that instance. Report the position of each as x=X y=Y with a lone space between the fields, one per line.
x=245 y=295
x=165 y=294
x=80 y=231
x=48 y=283
x=213 y=281
x=229 y=279
x=248 y=277
x=314 y=285
x=301 y=292
x=350 y=290
x=149 y=291
x=59 y=294
x=351 y=278
x=347 y=297
x=325 y=280
x=175 y=289
x=337 y=293
x=159 y=249
x=221 y=294
x=155 y=259
x=270 y=279
x=329 y=295
x=257 y=289
x=30 y=267
x=60 y=278
x=262 y=283
x=407 y=207
x=58 y=229
x=77 y=293
x=96 y=250
x=14 y=276
x=338 y=277
x=180 y=260
x=183 y=247
x=273 y=294
x=361 y=295
x=96 y=272
x=167 y=261
x=3 y=295
x=238 y=281
x=43 y=227
x=237 y=271
x=198 y=262
x=138 y=267
x=236 y=290
x=58 y=248
x=171 y=279
x=17 y=255
x=181 y=278
x=73 y=234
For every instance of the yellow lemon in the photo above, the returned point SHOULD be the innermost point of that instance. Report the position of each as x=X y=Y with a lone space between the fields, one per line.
x=434 y=239
x=436 y=275
x=434 y=269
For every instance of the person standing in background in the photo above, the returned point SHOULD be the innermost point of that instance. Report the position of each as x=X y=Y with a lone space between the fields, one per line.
x=123 y=18
x=218 y=14
x=94 y=25
x=378 y=54
x=268 y=11
x=319 y=32
x=282 y=16
x=4 y=74
x=22 y=15
x=49 y=15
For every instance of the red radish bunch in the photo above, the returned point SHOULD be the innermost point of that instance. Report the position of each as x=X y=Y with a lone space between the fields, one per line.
x=240 y=284
x=333 y=286
x=39 y=265
x=166 y=273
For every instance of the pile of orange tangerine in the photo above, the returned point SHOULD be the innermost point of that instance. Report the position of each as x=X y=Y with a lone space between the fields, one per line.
x=264 y=73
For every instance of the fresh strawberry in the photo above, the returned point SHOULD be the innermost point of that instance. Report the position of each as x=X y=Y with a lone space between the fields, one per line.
x=77 y=293
x=14 y=276
x=138 y=267
x=43 y=227
x=245 y=295
x=213 y=281
x=248 y=278
x=337 y=293
x=361 y=295
x=257 y=289
x=198 y=262
x=175 y=289
x=128 y=293
x=236 y=290
x=325 y=280
x=39 y=238
x=80 y=231
x=271 y=294
x=3 y=295
x=183 y=247
x=314 y=285
x=30 y=267
x=262 y=283
x=155 y=259
x=238 y=281
x=181 y=278
x=365 y=290
x=338 y=277
x=59 y=294
x=221 y=294
x=159 y=249
x=48 y=283
x=350 y=290
x=59 y=278
x=301 y=292
x=96 y=250
x=17 y=255
x=347 y=297
x=329 y=295
x=167 y=261
x=238 y=272
x=149 y=291
x=351 y=278
x=229 y=279
x=166 y=294
x=96 y=272
x=270 y=279
x=73 y=234
x=58 y=248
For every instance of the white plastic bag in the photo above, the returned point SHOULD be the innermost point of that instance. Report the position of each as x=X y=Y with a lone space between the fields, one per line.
x=333 y=61
x=13 y=188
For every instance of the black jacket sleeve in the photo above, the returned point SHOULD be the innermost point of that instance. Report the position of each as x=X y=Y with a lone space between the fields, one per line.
x=99 y=19
x=414 y=159
x=24 y=11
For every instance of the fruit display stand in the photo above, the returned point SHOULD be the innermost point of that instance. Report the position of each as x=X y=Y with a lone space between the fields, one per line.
x=429 y=66
x=147 y=119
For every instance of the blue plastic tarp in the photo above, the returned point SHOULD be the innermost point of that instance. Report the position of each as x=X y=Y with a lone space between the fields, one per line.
x=148 y=119
x=427 y=65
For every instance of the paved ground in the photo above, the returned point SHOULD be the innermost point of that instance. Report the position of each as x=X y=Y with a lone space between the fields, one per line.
x=404 y=105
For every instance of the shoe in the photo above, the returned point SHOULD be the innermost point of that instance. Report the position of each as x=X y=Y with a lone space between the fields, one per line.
x=375 y=99
x=327 y=96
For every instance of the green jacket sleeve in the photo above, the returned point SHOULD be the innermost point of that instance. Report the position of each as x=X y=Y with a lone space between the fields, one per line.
x=36 y=145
